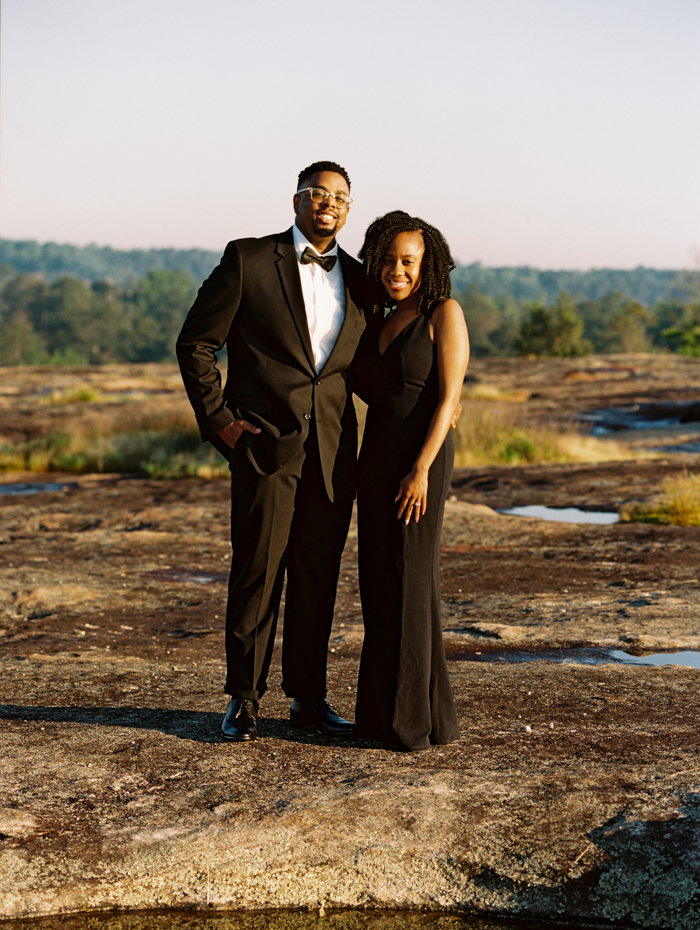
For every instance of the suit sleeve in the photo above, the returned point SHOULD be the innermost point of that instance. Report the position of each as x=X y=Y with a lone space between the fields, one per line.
x=203 y=334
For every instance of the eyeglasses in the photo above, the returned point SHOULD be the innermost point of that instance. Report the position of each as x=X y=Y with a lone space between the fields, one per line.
x=319 y=195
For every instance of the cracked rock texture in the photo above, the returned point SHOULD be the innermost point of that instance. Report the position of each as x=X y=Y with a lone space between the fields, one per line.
x=573 y=793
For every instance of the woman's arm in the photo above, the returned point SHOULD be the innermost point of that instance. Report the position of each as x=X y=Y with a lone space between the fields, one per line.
x=449 y=333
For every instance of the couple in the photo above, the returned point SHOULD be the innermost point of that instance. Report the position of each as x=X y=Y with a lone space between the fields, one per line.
x=304 y=325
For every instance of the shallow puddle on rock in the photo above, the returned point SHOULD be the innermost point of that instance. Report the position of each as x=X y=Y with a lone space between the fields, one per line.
x=24 y=488
x=641 y=416
x=579 y=655
x=692 y=448
x=564 y=514
x=279 y=920
x=688 y=657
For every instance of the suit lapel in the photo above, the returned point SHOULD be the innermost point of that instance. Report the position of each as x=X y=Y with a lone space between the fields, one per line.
x=353 y=314
x=288 y=270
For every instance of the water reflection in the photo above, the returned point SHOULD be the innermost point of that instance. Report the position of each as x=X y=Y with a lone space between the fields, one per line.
x=24 y=488
x=688 y=447
x=564 y=514
x=687 y=657
x=578 y=655
x=641 y=416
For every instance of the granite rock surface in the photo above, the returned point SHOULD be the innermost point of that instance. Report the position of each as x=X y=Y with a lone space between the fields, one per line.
x=573 y=793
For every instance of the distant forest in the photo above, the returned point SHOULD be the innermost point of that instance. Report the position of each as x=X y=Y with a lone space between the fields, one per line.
x=92 y=263
x=62 y=304
x=646 y=285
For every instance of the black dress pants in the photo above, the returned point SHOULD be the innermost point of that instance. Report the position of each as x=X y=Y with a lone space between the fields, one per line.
x=282 y=521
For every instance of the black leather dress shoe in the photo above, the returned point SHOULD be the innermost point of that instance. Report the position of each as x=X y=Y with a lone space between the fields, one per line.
x=318 y=715
x=240 y=722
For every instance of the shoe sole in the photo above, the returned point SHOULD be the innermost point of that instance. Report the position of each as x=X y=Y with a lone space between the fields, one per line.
x=243 y=738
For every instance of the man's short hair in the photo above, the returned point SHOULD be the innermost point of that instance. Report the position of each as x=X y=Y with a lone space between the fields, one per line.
x=318 y=166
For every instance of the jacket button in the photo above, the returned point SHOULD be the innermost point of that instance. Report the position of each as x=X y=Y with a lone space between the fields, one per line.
x=317 y=383
x=307 y=416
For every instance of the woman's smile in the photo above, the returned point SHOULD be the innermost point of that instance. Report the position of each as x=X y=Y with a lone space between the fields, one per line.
x=401 y=265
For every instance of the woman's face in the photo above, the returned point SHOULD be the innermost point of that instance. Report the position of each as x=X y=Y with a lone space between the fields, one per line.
x=400 y=273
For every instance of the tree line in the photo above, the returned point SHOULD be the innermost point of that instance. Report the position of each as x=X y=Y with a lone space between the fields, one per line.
x=93 y=263
x=67 y=320
x=646 y=285
x=571 y=326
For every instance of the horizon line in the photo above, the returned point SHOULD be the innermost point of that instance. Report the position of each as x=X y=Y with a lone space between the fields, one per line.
x=195 y=248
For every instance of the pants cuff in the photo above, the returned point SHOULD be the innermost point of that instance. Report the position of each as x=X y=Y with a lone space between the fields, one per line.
x=244 y=693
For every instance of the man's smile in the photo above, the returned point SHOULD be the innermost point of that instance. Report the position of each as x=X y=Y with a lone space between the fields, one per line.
x=321 y=217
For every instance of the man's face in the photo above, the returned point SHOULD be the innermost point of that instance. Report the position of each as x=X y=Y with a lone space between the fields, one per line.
x=321 y=222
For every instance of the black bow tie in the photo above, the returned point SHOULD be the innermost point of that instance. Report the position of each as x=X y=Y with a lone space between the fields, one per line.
x=325 y=261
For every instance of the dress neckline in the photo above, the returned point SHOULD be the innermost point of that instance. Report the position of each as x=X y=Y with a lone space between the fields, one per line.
x=402 y=330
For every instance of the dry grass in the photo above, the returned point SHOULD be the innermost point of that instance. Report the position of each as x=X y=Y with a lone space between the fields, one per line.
x=678 y=505
x=158 y=443
x=503 y=434
x=161 y=440
x=481 y=391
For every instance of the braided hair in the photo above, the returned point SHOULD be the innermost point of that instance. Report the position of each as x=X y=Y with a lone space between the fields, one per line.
x=435 y=284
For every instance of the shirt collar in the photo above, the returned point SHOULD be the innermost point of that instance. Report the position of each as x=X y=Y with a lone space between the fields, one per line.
x=301 y=243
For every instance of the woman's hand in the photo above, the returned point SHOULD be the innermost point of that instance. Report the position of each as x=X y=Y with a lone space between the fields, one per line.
x=413 y=495
x=455 y=416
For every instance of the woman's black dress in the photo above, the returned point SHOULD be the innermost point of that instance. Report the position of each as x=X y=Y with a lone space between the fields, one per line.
x=404 y=691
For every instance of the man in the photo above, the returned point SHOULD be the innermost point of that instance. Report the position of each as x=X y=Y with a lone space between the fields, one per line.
x=287 y=306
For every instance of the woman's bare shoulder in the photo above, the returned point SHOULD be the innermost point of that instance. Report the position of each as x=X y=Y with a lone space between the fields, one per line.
x=446 y=309
x=447 y=312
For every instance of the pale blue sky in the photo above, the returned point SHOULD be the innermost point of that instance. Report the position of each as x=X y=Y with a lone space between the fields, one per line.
x=556 y=133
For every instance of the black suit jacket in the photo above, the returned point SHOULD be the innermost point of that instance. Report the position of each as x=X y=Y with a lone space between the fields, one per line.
x=253 y=303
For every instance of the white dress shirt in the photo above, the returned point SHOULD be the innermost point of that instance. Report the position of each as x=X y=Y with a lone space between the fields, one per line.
x=324 y=299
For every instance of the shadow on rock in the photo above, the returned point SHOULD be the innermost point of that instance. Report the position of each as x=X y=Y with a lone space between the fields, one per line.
x=653 y=873
x=280 y=920
x=650 y=877
x=276 y=728
x=184 y=724
x=200 y=726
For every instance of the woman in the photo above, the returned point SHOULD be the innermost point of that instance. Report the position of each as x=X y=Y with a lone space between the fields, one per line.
x=412 y=373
